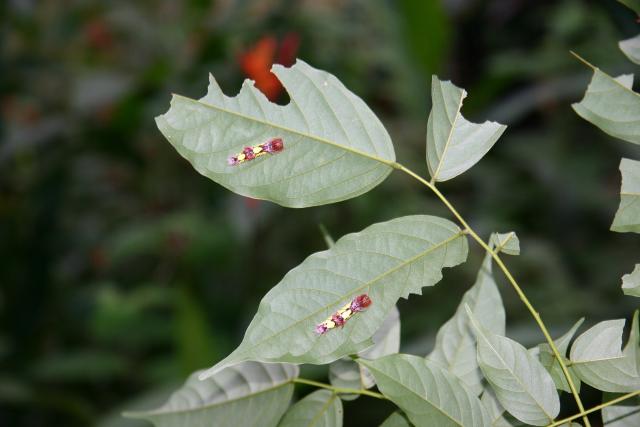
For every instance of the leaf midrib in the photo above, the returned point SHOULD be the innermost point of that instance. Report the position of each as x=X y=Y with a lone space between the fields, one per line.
x=287 y=129
x=450 y=136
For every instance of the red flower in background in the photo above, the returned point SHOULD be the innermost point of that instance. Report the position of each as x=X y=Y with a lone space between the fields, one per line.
x=256 y=62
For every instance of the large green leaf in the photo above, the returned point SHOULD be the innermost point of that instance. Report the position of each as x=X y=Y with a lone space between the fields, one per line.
x=628 y=215
x=551 y=363
x=454 y=144
x=631 y=48
x=455 y=348
x=624 y=414
x=335 y=148
x=322 y=408
x=599 y=362
x=520 y=383
x=346 y=373
x=387 y=261
x=611 y=105
x=428 y=394
x=631 y=282
x=248 y=394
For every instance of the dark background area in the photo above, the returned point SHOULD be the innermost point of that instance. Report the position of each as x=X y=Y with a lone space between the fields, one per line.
x=122 y=269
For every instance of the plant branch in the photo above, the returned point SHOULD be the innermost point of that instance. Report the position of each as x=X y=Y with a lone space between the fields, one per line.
x=339 y=390
x=511 y=280
x=595 y=408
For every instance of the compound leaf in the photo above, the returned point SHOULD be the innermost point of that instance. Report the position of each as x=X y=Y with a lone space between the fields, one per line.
x=335 y=148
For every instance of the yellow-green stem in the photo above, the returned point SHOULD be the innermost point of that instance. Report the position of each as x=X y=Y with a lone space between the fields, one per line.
x=511 y=280
x=595 y=408
x=339 y=390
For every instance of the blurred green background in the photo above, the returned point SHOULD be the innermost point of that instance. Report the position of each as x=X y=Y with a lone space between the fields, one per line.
x=122 y=269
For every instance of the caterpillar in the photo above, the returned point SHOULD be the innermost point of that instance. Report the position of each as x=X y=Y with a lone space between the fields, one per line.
x=272 y=146
x=340 y=317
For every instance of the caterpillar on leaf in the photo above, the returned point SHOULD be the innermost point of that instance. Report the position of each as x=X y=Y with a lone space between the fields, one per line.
x=340 y=317
x=247 y=154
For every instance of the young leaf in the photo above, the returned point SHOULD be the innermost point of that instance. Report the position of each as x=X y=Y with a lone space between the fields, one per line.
x=507 y=243
x=454 y=144
x=631 y=282
x=396 y=419
x=494 y=409
x=429 y=395
x=631 y=48
x=455 y=348
x=598 y=361
x=550 y=362
x=623 y=414
x=248 y=394
x=335 y=148
x=322 y=408
x=520 y=383
x=628 y=215
x=386 y=261
x=346 y=373
x=612 y=106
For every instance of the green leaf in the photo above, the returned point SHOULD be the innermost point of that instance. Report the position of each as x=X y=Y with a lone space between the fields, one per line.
x=396 y=419
x=599 y=362
x=631 y=282
x=631 y=48
x=346 y=373
x=247 y=394
x=623 y=414
x=387 y=261
x=494 y=409
x=612 y=106
x=507 y=243
x=550 y=362
x=322 y=408
x=335 y=148
x=428 y=394
x=454 y=144
x=632 y=4
x=520 y=383
x=455 y=348
x=628 y=215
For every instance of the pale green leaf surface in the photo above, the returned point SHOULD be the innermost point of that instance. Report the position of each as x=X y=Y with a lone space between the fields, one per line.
x=631 y=48
x=428 y=394
x=248 y=394
x=322 y=408
x=346 y=373
x=624 y=414
x=627 y=217
x=597 y=359
x=387 y=261
x=454 y=144
x=335 y=147
x=520 y=383
x=507 y=243
x=550 y=362
x=631 y=282
x=612 y=106
x=494 y=409
x=396 y=419
x=455 y=348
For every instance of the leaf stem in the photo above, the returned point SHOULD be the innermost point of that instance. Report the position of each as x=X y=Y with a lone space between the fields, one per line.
x=511 y=280
x=595 y=408
x=339 y=390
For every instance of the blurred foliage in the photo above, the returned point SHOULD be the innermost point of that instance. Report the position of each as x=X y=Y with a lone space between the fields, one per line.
x=122 y=269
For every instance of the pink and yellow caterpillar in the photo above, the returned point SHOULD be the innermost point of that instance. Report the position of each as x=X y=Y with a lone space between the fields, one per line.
x=340 y=317
x=272 y=146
